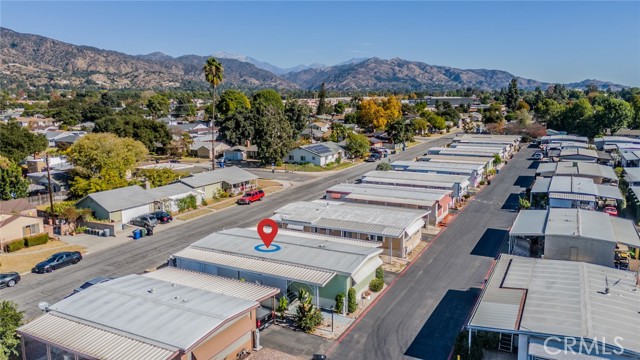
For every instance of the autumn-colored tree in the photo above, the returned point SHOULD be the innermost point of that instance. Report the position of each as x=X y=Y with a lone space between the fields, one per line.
x=392 y=108
x=372 y=114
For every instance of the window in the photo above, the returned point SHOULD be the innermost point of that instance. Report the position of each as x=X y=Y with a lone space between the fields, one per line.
x=303 y=158
x=313 y=158
x=376 y=238
x=291 y=157
x=347 y=234
x=30 y=230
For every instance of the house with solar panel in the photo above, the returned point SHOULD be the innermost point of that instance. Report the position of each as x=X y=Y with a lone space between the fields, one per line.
x=319 y=154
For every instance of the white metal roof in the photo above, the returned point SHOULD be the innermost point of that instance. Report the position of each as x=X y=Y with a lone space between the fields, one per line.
x=302 y=257
x=562 y=187
x=152 y=310
x=338 y=239
x=579 y=152
x=572 y=196
x=563 y=298
x=167 y=191
x=484 y=160
x=260 y=266
x=370 y=219
x=407 y=175
x=93 y=341
x=391 y=191
x=578 y=169
x=391 y=200
x=576 y=223
x=216 y=284
x=462 y=151
x=632 y=174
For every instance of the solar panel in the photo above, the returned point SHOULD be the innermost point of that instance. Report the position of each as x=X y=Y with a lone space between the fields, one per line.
x=320 y=149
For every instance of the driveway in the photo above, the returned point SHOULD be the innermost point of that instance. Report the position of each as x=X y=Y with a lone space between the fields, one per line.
x=423 y=311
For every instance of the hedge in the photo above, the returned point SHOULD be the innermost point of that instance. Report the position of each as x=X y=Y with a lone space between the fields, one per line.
x=376 y=285
x=380 y=273
x=14 y=246
x=36 y=240
x=352 y=302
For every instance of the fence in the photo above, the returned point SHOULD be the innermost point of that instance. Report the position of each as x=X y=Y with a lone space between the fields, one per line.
x=44 y=198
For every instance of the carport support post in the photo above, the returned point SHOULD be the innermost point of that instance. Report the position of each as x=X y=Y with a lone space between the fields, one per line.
x=469 y=341
x=317 y=295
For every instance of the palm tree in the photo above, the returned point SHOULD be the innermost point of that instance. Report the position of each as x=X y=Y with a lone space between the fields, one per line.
x=213 y=73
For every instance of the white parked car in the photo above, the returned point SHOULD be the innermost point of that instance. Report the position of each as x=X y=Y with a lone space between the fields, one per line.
x=538 y=156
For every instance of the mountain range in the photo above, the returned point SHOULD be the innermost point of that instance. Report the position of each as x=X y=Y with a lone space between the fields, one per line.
x=32 y=61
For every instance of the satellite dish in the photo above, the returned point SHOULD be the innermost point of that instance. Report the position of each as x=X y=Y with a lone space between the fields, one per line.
x=44 y=306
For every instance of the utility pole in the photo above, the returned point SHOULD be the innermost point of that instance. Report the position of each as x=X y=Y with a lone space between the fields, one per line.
x=51 y=214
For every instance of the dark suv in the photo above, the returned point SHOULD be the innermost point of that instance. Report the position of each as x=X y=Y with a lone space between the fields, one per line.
x=9 y=279
x=57 y=261
x=162 y=217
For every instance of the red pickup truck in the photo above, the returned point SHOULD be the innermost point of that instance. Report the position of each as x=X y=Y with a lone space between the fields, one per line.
x=251 y=196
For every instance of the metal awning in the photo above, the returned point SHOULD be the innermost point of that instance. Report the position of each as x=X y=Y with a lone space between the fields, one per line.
x=259 y=266
x=365 y=270
x=92 y=341
x=572 y=196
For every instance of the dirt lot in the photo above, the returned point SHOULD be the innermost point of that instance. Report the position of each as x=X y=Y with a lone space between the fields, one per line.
x=23 y=260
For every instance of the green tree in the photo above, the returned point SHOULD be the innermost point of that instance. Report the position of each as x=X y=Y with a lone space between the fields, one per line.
x=339 y=107
x=160 y=177
x=273 y=134
x=322 y=106
x=357 y=145
x=308 y=317
x=10 y=320
x=238 y=127
x=214 y=74
x=436 y=121
x=16 y=142
x=96 y=111
x=612 y=114
x=546 y=110
x=577 y=118
x=158 y=106
x=297 y=114
x=634 y=101
x=493 y=114
x=420 y=125
x=101 y=162
x=513 y=95
x=109 y=99
x=153 y=134
x=338 y=132
x=12 y=184
x=399 y=132
x=268 y=97
x=231 y=101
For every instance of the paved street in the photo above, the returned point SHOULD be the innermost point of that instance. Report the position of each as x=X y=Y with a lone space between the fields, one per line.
x=421 y=314
x=135 y=257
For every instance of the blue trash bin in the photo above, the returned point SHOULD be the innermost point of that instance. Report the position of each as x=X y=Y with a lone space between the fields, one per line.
x=137 y=234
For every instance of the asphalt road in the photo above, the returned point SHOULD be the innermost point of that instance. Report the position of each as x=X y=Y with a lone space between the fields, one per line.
x=422 y=313
x=149 y=252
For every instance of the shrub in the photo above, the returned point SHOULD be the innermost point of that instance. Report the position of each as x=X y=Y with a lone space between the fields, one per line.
x=339 y=303
x=352 y=302
x=204 y=202
x=187 y=202
x=380 y=273
x=384 y=166
x=36 y=240
x=15 y=245
x=376 y=285
x=283 y=306
x=308 y=317
x=481 y=182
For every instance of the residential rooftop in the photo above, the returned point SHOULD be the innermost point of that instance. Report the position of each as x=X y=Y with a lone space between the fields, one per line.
x=378 y=220
x=230 y=175
x=542 y=297
x=391 y=191
x=122 y=198
x=575 y=223
x=575 y=185
x=577 y=169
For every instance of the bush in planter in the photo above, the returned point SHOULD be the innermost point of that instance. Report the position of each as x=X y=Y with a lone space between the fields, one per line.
x=376 y=285
x=36 y=240
x=352 y=302
x=380 y=273
x=339 y=303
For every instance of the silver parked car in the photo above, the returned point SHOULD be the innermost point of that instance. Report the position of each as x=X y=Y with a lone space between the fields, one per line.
x=145 y=220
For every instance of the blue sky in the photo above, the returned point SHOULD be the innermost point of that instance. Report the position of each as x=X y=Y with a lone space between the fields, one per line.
x=547 y=41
